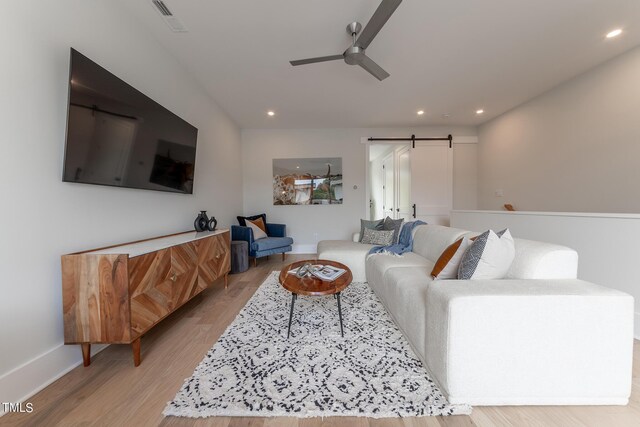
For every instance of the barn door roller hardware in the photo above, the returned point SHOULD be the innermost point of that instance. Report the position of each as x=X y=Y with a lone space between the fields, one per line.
x=413 y=140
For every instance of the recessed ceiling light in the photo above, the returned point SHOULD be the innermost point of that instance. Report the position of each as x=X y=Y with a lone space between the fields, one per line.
x=446 y=115
x=420 y=112
x=614 y=33
x=297 y=167
x=271 y=113
x=480 y=111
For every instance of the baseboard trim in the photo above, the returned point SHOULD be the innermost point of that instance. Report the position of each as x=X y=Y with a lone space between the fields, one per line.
x=304 y=249
x=22 y=382
x=538 y=401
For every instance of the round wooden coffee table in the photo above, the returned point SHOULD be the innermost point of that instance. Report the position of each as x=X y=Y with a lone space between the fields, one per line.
x=314 y=286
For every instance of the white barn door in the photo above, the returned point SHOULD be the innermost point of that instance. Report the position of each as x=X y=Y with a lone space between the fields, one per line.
x=432 y=181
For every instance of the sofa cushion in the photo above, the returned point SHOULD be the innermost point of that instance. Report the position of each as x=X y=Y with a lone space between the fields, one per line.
x=271 y=243
x=430 y=240
x=404 y=294
x=351 y=254
x=378 y=264
x=539 y=260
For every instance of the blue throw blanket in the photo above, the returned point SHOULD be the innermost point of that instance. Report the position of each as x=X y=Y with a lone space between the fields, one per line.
x=405 y=241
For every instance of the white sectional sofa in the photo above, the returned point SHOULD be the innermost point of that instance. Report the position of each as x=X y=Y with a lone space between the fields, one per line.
x=538 y=337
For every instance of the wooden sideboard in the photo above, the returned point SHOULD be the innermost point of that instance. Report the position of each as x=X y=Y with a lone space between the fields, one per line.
x=115 y=295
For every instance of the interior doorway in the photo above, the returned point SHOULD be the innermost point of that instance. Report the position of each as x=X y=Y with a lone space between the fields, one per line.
x=389 y=181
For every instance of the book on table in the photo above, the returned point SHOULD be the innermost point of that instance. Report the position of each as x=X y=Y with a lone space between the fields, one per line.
x=327 y=273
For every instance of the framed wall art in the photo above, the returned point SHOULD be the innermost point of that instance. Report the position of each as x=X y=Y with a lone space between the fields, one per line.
x=309 y=181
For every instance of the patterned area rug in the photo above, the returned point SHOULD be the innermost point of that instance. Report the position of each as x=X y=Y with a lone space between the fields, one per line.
x=254 y=370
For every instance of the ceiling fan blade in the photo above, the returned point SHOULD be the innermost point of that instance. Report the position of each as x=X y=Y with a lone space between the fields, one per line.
x=377 y=21
x=374 y=69
x=317 y=59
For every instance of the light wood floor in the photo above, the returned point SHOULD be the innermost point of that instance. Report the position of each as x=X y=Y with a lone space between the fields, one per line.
x=112 y=392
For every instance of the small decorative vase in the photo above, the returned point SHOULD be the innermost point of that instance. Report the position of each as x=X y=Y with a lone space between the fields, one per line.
x=201 y=222
x=211 y=225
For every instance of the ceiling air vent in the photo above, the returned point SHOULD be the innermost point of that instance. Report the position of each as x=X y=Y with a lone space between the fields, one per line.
x=164 y=10
x=174 y=23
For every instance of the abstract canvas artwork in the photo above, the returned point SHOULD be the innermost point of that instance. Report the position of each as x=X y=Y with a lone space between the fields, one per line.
x=312 y=181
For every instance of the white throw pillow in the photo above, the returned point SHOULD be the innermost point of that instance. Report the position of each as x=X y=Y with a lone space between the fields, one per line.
x=489 y=257
x=257 y=231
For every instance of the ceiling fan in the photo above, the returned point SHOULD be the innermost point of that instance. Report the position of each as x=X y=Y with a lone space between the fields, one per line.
x=355 y=54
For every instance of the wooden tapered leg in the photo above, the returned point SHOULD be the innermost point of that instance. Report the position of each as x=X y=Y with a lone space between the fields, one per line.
x=255 y=261
x=135 y=346
x=283 y=256
x=86 y=353
x=226 y=280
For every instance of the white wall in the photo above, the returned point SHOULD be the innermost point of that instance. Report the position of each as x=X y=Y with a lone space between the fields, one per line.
x=574 y=148
x=41 y=217
x=606 y=243
x=309 y=224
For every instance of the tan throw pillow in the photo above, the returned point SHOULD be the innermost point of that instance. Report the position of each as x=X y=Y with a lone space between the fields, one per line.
x=260 y=223
x=447 y=265
x=258 y=233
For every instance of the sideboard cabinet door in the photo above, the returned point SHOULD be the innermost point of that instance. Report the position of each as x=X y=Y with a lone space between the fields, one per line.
x=184 y=273
x=150 y=288
x=214 y=258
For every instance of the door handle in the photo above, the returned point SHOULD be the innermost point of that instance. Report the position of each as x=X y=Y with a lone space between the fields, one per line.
x=414 y=210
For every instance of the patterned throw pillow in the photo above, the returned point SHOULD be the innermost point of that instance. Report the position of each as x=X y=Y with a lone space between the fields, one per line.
x=395 y=225
x=489 y=256
x=447 y=265
x=377 y=237
x=259 y=223
x=258 y=233
x=242 y=220
x=374 y=225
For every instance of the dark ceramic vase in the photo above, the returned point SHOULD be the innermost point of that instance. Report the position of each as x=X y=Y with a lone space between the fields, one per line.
x=211 y=225
x=201 y=222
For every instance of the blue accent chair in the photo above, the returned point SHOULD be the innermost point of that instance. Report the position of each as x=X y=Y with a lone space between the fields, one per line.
x=276 y=243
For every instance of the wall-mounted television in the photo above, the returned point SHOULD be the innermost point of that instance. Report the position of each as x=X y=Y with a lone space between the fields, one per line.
x=120 y=137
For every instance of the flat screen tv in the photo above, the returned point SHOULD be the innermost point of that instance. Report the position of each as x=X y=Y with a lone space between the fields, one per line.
x=118 y=136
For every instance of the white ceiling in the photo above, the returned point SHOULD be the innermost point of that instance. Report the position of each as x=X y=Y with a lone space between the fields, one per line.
x=444 y=56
